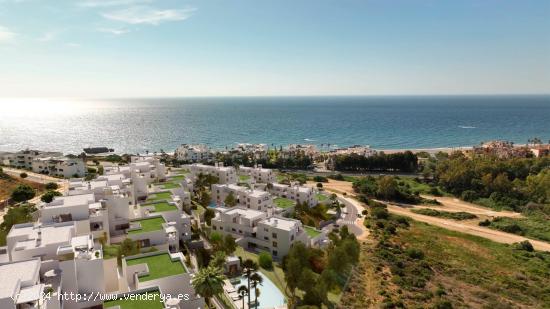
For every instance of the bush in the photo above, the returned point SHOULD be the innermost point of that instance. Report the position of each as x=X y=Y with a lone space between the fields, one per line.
x=23 y=175
x=336 y=177
x=49 y=196
x=319 y=185
x=51 y=186
x=22 y=193
x=415 y=254
x=380 y=213
x=469 y=196
x=485 y=222
x=265 y=260
x=525 y=245
x=320 y=179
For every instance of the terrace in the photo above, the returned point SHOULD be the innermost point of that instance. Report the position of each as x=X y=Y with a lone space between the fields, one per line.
x=161 y=206
x=148 y=225
x=311 y=231
x=321 y=197
x=283 y=203
x=159 y=196
x=160 y=266
x=244 y=178
x=146 y=300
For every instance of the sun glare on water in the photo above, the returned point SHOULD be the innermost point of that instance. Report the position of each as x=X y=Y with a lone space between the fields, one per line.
x=41 y=106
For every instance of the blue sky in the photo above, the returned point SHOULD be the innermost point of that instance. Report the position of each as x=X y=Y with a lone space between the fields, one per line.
x=152 y=48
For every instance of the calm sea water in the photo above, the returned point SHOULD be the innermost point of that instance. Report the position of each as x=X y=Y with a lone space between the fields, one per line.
x=136 y=125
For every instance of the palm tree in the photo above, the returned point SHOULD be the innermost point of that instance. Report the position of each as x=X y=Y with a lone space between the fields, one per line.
x=249 y=267
x=256 y=281
x=208 y=282
x=243 y=291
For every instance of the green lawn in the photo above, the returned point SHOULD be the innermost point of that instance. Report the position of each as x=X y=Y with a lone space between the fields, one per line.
x=321 y=197
x=311 y=231
x=283 y=203
x=149 y=225
x=160 y=266
x=169 y=185
x=150 y=301
x=176 y=178
x=110 y=251
x=162 y=206
x=244 y=178
x=159 y=196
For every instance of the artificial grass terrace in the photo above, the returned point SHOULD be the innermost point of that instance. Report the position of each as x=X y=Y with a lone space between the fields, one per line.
x=152 y=300
x=160 y=266
x=283 y=203
x=244 y=177
x=159 y=196
x=149 y=225
x=169 y=185
x=321 y=197
x=162 y=206
x=178 y=178
x=311 y=232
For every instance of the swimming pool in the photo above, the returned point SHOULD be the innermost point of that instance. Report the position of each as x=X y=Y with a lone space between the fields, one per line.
x=270 y=295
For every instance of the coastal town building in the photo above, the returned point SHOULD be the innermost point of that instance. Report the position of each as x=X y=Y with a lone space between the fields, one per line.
x=260 y=231
x=194 y=153
x=308 y=149
x=501 y=149
x=225 y=174
x=540 y=150
x=294 y=192
x=66 y=167
x=360 y=150
x=248 y=198
x=257 y=174
x=23 y=159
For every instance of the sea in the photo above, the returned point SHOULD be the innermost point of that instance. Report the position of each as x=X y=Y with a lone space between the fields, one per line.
x=383 y=122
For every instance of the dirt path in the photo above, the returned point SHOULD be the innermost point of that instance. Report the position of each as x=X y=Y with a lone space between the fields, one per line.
x=469 y=228
x=454 y=205
x=336 y=186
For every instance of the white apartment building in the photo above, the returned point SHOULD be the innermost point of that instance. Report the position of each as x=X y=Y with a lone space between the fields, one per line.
x=194 y=153
x=307 y=149
x=259 y=230
x=360 y=150
x=248 y=198
x=258 y=174
x=225 y=174
x=295 y=192
x=24 y=158
x=59 y=166
x=21 y=286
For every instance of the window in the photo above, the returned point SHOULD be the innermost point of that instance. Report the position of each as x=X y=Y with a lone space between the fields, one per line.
x=274 y=252
x=266 y=238
x=275 y=244
x=214 y=227
x=291 y=237
x=274 y=235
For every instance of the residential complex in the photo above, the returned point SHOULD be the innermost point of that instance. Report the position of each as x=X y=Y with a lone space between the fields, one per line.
x=257 y=174
x=225 y=174
x=194 y=153
x=294 y=192
x=44 y=162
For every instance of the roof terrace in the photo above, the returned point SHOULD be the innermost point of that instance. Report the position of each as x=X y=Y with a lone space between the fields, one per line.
x=159 y=265
x=148 y=225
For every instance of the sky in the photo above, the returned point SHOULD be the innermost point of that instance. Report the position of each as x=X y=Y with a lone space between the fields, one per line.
x=168 y=48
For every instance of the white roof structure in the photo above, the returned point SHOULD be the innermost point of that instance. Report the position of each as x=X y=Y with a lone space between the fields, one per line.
x=71 y=200
x=13 y=273
x=280 y=223
x=245 y=213
x=52 y=234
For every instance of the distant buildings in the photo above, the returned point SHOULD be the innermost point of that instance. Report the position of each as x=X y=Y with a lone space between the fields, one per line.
x=225 y=174
x=45 y=162
x=194 y=153
x=294 y=192
x=359 y=150
x=257 y=173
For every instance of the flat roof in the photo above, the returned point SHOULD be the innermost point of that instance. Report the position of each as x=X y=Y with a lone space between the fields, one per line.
x=244 y=212
x=149 y=225
x=160 y=266
x=12 y=272
x=72 y=200
x=280 y=223
x=51 y=234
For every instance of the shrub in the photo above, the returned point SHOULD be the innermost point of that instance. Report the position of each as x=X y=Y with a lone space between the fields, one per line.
x=336 y=177
x=320 y=179
x=469 y=195
x=51 y=186
x=380 y=213
x=22 y=193
x=49 y=196
x=485 y=222
x=415 y=253
x=265 y=260
x=525 y=245
x=23 y=175
x=319 y=185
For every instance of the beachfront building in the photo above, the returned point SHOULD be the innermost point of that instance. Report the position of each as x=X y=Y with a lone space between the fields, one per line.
x=225 y=174
x=194 y=153
x=248 y=198
x=21 y=286
x=66 y=167
x=294 y=192
x=256 y=173
x=258 y=230
x=360 y=150
x=540 y=150
x=293 y=150
x=23 y=159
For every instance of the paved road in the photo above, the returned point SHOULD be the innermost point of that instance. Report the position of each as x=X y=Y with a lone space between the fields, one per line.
x=350 y=218
x=34 y=177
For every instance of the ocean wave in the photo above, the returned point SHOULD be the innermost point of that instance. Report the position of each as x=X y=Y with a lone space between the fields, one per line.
x=309 y=140
x=467 y=127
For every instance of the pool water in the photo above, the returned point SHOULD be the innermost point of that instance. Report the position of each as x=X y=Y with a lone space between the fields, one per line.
x=270 y=295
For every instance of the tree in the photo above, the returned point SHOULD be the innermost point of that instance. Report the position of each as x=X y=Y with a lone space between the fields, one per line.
x=387 y=187
x=23 y=175
x=22 y=193
x=129 y=247
x=230 y=200
x=209 y=214
x=17 y=215
x=216 y=239
x=229 y=244
x=218 y=260
x=208 y=282
x=49 y=196
x=319 y=185
x=257 y=280
x=249 y=268
x=51 y=186
x=243 y=291
x=265 y=260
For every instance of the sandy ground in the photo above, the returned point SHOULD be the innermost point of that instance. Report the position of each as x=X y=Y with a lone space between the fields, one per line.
x=450 y=204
